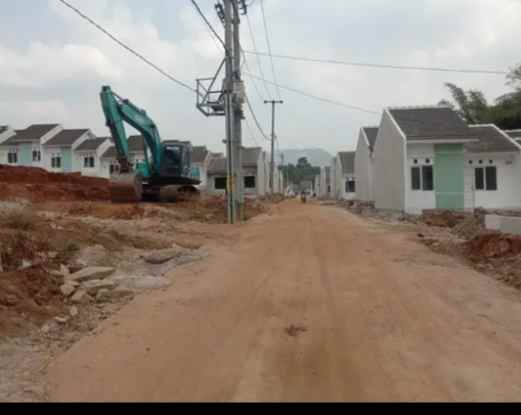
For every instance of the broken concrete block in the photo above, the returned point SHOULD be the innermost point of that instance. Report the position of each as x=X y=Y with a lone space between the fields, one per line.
x=121 y=292
x=25 y=264
x=92 y=287
x=92 y=273
x=103 y=295
x=80 y=297
x=67 y=289
x=73 y=311
x=61 y=320
x=163 y=256
x=493 y=222
x=150 y=283
x=64 y=270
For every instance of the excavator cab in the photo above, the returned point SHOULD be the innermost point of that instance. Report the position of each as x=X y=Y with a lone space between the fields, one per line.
x=176 y=159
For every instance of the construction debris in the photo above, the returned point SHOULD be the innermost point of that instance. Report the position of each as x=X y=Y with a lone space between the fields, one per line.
x=91 y=273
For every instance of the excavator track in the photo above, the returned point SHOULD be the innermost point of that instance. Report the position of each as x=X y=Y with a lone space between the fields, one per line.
x=126 y=188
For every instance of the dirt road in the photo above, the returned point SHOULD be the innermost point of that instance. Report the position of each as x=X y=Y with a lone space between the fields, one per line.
x=309 y=304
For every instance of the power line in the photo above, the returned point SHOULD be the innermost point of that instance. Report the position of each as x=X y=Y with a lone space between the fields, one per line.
x=259 y=127
x=251 y=133
x=128 y=48
x=330 y=101
x=269 y=46
x=214 y=32
x=259 y=64
x=376 y=65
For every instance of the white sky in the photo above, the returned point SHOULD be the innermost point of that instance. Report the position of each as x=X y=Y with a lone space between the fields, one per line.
x=53 y=64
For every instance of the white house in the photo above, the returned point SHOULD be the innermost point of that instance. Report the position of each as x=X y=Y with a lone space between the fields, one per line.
x=254 y=173
x=24 y=148
x=6 y=132
x=333 y=178
x=324 y=187
x=200 y=160
x=345 y=182
x=364 y=163
x=87 y=156
x=58 y=150
x=427 y=157
x=108 y=161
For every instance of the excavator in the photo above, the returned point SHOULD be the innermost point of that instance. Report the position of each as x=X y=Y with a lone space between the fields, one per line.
x=166 y=164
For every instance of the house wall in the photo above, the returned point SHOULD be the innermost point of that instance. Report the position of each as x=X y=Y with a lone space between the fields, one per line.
x=262 y=175
x=332 y=183
x=364 y=170
x=508 y=195
x=418 y=200
x=211 y=184
x=25 y=156
x=389 y=166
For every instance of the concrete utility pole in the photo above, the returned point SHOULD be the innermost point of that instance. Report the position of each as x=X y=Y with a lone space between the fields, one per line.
x=229 y=113
x=273 y=137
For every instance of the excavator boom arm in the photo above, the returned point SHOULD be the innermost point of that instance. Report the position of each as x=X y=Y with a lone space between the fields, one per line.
x=117 y=112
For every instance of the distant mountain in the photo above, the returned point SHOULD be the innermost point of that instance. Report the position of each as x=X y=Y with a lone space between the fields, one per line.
x=316 y=156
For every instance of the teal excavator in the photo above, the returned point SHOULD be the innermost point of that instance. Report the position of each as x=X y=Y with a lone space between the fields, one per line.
x=166 y=164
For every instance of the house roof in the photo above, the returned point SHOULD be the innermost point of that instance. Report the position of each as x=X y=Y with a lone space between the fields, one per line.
x=92 y=144
x=371 y=133
x=66 y=137
x=515 y=134
x=199 y=154
x=32 y=133
x=431 y=123
x=347 y=161
x=3 y=128
x=217 y=166
x=250 y=158
x=491 y=139
x=136 y=144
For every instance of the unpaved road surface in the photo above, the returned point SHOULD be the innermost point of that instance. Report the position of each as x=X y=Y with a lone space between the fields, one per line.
x=308 y=304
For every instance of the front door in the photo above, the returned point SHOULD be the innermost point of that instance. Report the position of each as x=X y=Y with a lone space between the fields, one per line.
x=449 y=176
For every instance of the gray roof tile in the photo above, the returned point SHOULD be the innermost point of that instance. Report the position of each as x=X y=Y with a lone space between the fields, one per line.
x=435 y=123
x=490 y=140
x=347 y=161
x=199 y=154
x=92 y=144
x=32 y=133
x=66 y=137
x=135 y=145
x=371 y=133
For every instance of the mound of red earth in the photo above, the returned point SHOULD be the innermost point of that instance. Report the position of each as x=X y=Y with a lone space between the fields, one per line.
x=493 y=245
x=442 y=218
x=38 y=185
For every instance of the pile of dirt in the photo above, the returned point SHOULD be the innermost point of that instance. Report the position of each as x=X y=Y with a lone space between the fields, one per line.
x=493 y=245
x=38 y=185
x=106 y=210
x=442 y=218
x=469 y=228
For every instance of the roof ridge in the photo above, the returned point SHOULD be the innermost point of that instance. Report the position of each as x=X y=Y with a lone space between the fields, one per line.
x=419 y=107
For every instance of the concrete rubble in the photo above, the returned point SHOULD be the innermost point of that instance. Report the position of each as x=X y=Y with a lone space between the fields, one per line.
x=91 y=273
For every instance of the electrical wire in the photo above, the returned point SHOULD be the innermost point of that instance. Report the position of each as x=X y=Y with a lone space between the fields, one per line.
x=252 y=135
x=128 y=48
x=214 y=32
x=259 y=127
x=375 y=65
x=257 y=56
x=330 y=101
x=269 y=47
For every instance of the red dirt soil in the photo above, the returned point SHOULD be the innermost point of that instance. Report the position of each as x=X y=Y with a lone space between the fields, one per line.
x=38 y=185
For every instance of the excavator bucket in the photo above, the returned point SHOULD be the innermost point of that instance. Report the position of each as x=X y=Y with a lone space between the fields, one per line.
x=126 y=188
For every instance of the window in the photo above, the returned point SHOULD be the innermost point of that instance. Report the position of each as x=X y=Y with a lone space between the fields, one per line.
x=12 y=156
x=416 y=178
x=114 y=168
x=422 y=178
x=37 y=156
x=56 y=161
x=427 y=178
x=89 y=162
x=486 y=178
x=350 y=186
x=196 y=172
x=250 y=182
x=220 y=183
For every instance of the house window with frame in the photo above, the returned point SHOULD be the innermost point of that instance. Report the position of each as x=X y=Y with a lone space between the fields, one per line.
x=56 y=161
x=89 y=161
x=12 y=156
x=220 y=183
x=350 y=186
x=486 y=178
x=422 y=178
x=250 y=182
x=114 y=168
x=37 y=155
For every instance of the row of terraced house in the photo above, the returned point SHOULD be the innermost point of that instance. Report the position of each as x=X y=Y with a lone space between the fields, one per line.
x=421 y=158
x=60 y=150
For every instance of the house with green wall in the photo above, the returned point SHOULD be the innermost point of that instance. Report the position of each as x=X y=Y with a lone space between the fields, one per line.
x=58 y=150
x=429 y=158
x=24 y=147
